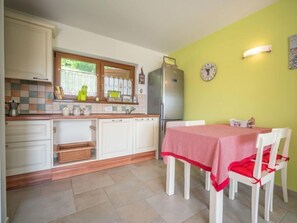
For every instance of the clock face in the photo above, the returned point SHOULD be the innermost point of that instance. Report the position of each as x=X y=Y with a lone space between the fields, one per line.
x=208 y=71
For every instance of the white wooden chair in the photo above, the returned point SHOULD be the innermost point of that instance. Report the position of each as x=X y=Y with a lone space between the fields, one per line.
x=255 y=174
x=281 y=161
x=284 y=134
x=187 y=166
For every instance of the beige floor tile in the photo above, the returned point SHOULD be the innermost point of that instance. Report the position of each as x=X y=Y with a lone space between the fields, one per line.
x=90 y=199
x=138 y=212
x=201 y=217
x=57 y=186
x=123 y=175
x=45 y=208
x=126 y=192
x=104 y=213
x=289 y=217
x=88 y=182
x=157 y=185
x=175 y=208
x=147 y=173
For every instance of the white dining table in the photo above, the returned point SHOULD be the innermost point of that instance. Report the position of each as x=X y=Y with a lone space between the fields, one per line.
x=213 y=148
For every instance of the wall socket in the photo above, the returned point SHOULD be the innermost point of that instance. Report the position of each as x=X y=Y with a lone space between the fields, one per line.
x=108 y=108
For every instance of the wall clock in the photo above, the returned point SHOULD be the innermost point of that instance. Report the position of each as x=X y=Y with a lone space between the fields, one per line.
x=208 y=71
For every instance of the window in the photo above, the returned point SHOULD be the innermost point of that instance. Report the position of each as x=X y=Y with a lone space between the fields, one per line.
x=74 y=71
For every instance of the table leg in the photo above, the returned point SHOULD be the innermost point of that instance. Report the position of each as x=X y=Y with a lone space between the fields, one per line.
x=216 y=205
x=170 y=176
x=187 y=179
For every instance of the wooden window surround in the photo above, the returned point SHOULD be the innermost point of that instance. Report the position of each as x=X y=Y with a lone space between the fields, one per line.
x=122 y=70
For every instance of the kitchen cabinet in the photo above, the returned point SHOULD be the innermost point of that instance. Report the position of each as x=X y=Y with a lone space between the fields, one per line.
x=115 y=138
x=28 y=48
x=75 y=140
x=28 y=146
x=146 y=136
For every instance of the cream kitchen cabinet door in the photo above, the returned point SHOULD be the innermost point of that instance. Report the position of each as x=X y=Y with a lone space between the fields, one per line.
x=28 y=146
x=115 y=138
x=28 y=49
x=25 y=157
x=146 y=134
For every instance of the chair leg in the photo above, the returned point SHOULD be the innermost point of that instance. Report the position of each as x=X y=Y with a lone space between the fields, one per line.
x=232 y=184
x=284 y=183
x=255 y=202
x=268 y=199
x=271 y=193
x=236 y=186
x=187 y=178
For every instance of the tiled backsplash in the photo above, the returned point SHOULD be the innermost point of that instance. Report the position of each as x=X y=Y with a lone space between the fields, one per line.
x=37 y=98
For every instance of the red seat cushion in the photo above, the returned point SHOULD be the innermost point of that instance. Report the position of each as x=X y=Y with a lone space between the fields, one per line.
x=247 y=168
x=265 y=158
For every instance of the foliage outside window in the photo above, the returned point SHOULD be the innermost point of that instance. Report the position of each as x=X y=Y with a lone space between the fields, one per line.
x=74 y=71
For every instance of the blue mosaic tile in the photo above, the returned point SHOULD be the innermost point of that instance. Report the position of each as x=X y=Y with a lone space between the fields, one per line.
x=24 y=100
x=41 y=107
x=49 y=95
x=33 y=94
x=15 y=86
x=114 y=108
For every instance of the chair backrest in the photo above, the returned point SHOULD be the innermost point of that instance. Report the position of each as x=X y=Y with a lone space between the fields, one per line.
x=284 y=133
x=172 y=124
x=263 y=140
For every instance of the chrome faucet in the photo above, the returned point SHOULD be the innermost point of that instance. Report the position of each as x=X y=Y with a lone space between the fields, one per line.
x=129 y=111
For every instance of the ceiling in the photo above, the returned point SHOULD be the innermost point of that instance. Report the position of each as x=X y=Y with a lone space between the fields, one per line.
x=160 y=25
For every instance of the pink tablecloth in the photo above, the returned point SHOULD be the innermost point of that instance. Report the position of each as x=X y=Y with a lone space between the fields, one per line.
x=211 y=147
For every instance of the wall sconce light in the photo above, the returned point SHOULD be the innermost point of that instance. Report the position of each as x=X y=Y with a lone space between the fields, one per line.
x=257 y=50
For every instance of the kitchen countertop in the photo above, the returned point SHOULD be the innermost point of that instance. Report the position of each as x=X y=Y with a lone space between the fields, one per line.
x=91 y=116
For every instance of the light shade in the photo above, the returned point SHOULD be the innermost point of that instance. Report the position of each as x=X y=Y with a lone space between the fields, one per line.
x=257 y=50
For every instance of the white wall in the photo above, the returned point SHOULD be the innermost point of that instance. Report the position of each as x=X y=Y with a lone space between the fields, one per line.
x=2 y=121
x=90 y=44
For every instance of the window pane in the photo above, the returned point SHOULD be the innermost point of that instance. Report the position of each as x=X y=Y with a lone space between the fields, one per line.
x=117 y=79
x=75 y=73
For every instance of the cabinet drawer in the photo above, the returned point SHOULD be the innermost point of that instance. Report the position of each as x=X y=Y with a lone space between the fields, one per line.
x=25 y=157
x=21 y=131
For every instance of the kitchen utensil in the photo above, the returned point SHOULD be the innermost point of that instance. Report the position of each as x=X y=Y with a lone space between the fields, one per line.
x=66 y=111
x=86 y=111
x=13 y=108
x=76 y=111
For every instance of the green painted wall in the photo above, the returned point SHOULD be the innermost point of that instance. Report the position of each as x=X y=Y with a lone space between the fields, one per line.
x=261 y=86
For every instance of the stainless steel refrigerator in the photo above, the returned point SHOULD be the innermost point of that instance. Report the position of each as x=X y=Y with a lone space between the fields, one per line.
x=166 y=95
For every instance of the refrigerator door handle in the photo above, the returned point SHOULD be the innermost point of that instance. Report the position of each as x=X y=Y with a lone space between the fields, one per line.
x=162 y=116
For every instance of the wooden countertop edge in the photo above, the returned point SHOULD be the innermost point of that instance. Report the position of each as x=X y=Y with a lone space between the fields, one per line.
x=60 y=116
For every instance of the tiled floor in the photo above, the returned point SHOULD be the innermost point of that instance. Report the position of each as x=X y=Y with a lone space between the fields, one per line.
x=136 y=194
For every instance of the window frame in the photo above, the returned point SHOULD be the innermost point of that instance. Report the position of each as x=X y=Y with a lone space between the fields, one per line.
x=100 y=64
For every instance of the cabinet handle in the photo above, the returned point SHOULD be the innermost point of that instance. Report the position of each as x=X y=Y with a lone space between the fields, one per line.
x=6 y=146
x=6 y=123
x=117 y=120
x=38 y=78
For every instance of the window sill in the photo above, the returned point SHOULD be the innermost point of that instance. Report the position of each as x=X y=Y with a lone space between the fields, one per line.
x=94 y=102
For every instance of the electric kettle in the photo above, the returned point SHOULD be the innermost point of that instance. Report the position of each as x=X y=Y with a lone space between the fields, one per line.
x=13 y=108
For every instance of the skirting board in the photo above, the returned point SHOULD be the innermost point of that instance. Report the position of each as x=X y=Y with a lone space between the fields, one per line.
x=22 y=180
